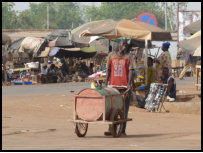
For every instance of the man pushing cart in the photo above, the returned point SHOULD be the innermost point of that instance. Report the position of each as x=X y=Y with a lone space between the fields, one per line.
x=108 y=105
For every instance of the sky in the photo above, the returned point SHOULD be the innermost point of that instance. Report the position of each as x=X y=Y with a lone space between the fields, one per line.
x=20 y=6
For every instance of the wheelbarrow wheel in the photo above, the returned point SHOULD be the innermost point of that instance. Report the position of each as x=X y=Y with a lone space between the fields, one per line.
x=116 y=129
x=81 y=129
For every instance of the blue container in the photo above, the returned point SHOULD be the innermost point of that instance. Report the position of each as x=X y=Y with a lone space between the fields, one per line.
x=18 y=82
x=142 y=88
x=28 y=82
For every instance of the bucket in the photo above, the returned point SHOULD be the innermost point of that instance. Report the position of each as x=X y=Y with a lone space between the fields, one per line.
x=27 y=82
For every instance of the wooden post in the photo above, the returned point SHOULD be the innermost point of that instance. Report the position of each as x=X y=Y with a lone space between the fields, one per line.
x=5 y=73
x=145 y=61
x=197 y=72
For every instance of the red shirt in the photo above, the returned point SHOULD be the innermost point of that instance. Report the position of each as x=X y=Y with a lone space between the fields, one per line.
x=119 y=67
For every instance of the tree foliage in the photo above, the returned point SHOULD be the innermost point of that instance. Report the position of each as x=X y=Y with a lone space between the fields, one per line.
x=68 y=15
x=130 y=10
x=8 y=15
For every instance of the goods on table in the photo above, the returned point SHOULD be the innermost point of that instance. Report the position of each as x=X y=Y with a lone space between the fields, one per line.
x=98 y=74
x=17 y=82
x=32 y=65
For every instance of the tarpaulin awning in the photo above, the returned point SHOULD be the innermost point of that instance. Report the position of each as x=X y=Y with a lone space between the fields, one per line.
x=59 y=38
x=129 y=29
x=62 y=38
x=54 y=51
x=192 y=43
x=32 y=45
x=94 y=24
x=197 y=51
x=60 y=42
x=192 y=28
x=195 y=35
x=83 y=53
x=14 y=46
x=45 y=53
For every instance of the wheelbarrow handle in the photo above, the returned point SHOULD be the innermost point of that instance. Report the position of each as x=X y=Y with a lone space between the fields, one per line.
x=125 y=93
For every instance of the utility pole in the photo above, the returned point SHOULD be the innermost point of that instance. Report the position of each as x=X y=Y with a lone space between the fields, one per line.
x=48 y=16
x=177 y=23
x=166 y=16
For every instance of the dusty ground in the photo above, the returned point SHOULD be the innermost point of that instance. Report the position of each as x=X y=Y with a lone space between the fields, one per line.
x=35 y=118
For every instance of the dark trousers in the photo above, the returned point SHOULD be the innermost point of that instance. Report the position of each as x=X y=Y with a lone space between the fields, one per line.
x=127 y=105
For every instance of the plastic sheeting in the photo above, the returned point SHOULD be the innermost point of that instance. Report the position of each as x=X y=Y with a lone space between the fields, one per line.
x=192 y=28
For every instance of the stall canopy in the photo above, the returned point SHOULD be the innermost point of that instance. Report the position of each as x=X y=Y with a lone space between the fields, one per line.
x=101 y=44
x=82 y=53
x=59 y=38
x=90 y=25
x=191 y=43
x=32 y=46
x=129 y=29
x=62 y=38
x=192 y=28
x=197 y=51
x=14 y=46
x=45 y=53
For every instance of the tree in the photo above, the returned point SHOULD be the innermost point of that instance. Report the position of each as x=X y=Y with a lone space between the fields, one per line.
x=68 y=15
x=63 y=15
x=130 y=10
x=8 y=15
x=120 y=10
x=172 y=12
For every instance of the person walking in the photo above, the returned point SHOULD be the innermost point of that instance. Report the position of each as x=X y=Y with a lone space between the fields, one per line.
x=120 y=66
x=189 y=63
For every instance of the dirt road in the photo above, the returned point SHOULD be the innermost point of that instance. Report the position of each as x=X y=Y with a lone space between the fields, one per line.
x=35 y=118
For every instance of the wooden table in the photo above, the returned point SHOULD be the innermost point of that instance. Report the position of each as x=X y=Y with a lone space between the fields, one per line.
x=32 y=71
x=198 y=69
x=18 y=69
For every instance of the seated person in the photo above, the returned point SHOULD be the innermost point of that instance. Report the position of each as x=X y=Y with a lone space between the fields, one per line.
x=44 y=73
x=152 y=93
x=171 y=89
x=150 y=73
x=51 y=73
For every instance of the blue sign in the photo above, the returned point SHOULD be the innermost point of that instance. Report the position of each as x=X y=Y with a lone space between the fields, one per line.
x=147 y=18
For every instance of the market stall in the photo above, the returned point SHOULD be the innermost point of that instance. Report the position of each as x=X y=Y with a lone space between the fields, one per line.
x=130 y=29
